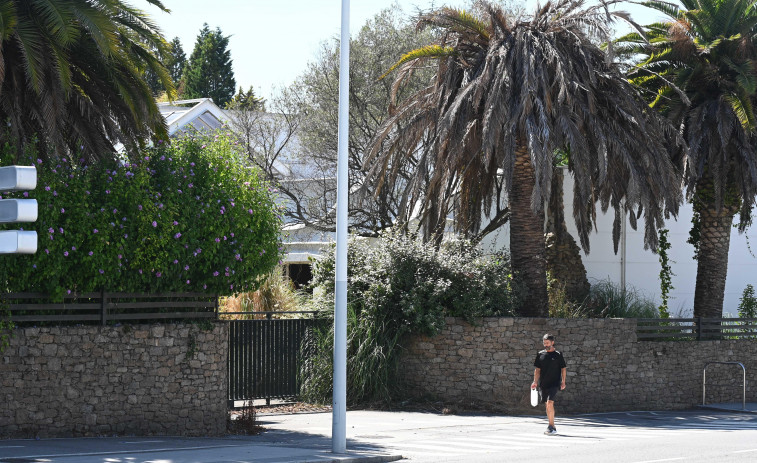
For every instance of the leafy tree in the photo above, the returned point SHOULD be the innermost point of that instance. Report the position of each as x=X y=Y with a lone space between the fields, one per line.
x=698 y=69
x=246 y=101
x=208 y=73
x=175 y=60
x=72 y=75
x=301 y=131
x=508 y=92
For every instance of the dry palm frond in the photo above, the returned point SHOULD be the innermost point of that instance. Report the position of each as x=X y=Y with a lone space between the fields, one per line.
x=542 y=83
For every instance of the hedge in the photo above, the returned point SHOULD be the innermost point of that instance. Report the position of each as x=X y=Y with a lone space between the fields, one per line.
x=189 y=216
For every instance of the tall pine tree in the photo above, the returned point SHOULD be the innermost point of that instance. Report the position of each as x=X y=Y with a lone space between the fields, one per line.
x=174 y=60
x=208 y=73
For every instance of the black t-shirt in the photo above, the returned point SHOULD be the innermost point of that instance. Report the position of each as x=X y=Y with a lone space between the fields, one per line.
x=550 y=364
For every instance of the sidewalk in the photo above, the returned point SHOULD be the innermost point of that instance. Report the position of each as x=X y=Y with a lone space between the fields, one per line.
x=273 y=446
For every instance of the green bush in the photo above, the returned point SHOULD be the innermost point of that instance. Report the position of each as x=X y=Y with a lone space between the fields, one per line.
x=189 y=216
x=398 y=286
x=748 y=303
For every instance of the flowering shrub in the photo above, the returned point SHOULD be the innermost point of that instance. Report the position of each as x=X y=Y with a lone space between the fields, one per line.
x=189 y=216
x=398 y=286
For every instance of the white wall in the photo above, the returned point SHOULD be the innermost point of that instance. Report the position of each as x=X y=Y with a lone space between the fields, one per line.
x=642 y=268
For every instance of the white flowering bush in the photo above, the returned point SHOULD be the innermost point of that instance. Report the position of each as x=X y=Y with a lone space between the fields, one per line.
x=189 y=216
x=399 y=285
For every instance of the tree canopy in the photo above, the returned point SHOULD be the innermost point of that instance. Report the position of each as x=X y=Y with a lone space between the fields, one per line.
x=72 y=75
x=209 y=73
x=698 y=68
x=508 y=92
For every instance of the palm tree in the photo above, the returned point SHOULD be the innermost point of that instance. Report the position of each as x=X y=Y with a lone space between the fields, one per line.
x=71 y=74
x=508 y=92
x=699 y=70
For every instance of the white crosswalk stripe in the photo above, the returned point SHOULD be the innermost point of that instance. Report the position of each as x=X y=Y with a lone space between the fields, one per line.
x=497 y=440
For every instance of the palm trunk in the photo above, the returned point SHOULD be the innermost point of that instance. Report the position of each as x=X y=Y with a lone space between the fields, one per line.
x=527 y=239
x=563 y=254
x=712 y=261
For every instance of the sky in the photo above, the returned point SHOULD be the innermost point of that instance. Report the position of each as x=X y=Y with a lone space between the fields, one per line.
x=272 y=41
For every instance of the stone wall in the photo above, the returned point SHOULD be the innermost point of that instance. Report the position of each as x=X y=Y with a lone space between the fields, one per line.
x=491 y=365
x=126 y=380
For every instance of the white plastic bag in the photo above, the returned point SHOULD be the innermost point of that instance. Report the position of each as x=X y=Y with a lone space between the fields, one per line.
x=535 y=397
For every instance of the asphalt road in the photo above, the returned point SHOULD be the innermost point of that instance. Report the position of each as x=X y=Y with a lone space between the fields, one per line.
x=633 y=437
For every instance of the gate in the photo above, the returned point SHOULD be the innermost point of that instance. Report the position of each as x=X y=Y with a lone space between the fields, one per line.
x=265 y=357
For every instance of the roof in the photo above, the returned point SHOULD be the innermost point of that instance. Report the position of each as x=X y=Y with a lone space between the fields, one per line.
x=189 y=115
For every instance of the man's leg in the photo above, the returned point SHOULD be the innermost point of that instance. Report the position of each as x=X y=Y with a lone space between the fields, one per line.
x=551 y=412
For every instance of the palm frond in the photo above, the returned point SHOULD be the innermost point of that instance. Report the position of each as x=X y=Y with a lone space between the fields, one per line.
x=427 y=52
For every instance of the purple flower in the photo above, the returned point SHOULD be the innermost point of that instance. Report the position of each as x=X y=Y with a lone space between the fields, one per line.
x=218 y=240
x=120 y=256
x=126 y=235
x=47 y=188
x=39 y=161
x=158 y=274
x=62 y=211
x=107 y=192
x=139 y=207
x=175 y=223
x=177 y=236
x=140 y=271
x=175 y=261
x=26 y=194
x=187 y=281
x=95 y=230
x=215 y=274
x=47 y=251
x=162 y=158
x=249 y=211
x=154 y=223
x=68 y=291
x=90 y=253
x=204 y=286
x=191 y=185
x=115 y=210
x=102 y=271
x=51 y=230
x=60 y=230
x=192 y=164
x=55 y=193
x=65 y=253
x=73 y=248
x=186 y=267
x=232 y=235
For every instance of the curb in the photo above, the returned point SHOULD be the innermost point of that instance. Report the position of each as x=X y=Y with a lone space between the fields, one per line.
x=356 y=459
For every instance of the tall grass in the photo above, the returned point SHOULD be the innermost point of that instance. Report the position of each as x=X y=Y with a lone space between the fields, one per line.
x=275 y=294
x=605 y=300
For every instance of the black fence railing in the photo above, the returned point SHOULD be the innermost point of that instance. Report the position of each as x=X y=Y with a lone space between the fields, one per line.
x=265 y=356
x=109 y=308
x=695 y=329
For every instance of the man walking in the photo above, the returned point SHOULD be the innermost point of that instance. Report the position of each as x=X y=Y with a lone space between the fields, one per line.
x=549 y=374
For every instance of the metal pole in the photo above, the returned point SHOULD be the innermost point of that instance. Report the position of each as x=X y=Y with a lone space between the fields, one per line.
x=339 y=404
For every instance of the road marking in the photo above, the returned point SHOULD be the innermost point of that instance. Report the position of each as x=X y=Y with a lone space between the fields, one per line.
x=11 y=446
x=145 y=442
x=745 y=451
x=664 y=459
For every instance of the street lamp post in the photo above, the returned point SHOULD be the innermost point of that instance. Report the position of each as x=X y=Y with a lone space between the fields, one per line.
x=339 y=404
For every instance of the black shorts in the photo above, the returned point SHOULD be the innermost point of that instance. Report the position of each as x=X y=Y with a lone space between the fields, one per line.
x=549 y=393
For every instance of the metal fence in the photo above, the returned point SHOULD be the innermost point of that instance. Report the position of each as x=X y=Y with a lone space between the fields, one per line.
x=104 y=307
x=695 y=329
x=265 y=356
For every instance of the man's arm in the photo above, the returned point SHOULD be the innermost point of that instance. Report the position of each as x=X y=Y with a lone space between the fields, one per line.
x=537 y=373
x=564 y=373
